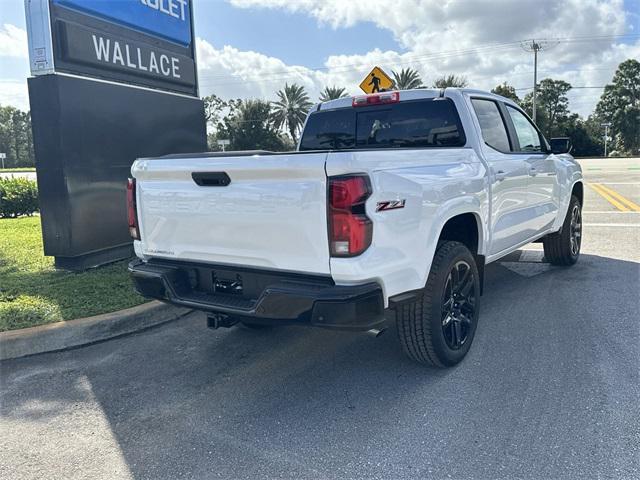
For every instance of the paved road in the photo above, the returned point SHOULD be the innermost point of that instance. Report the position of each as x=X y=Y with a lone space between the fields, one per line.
x=550 y=389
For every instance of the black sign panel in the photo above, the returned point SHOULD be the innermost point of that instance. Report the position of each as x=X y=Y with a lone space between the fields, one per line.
x=120 y=55
x=86 y=136
x=88 y=45
x=90 y=121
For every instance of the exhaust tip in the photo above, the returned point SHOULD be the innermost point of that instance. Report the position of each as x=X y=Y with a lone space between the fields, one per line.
x=376 y=333
x=220 y=320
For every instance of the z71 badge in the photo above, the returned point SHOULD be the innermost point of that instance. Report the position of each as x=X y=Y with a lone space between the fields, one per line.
x=390 y=205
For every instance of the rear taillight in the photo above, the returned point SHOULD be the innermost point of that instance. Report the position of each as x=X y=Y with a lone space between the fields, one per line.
x=350 y=230
x=376 y=99
x=132 y=214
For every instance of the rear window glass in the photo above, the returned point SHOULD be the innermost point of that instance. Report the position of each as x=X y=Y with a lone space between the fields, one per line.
x=413 y=124
x=494 y=132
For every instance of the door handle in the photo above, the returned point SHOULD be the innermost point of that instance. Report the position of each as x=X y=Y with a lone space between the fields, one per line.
x=500 y=175
x=532 y=171
x=211 y=179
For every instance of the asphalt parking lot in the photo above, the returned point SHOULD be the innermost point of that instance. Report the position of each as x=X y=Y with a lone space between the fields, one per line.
x=550 y=388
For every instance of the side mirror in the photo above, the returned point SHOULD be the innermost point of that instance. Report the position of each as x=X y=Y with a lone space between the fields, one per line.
x=560 y=145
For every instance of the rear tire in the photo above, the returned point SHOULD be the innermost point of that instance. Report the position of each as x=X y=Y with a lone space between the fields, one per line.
x=563 y=248
x=438 y=328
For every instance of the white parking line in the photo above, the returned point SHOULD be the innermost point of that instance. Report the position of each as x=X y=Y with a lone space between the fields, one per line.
x=633 y=225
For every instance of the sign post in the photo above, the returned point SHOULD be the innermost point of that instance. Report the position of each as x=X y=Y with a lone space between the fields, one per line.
x=224 y=143
x=111 y=81
x=377 y=81
x=2 y=157
x=606 y=126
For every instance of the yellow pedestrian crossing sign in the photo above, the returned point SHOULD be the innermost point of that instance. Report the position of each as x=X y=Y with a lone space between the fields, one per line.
x=377 y=81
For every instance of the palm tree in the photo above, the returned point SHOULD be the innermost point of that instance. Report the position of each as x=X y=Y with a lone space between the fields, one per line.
x=290 y=111
x=451 y=81
x=332 y=93
x=407 y=79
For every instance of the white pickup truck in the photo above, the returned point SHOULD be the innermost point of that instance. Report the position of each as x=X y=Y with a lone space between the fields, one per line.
x=393 y=202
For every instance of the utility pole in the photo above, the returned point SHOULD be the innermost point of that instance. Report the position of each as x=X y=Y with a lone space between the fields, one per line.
x=606 y=136
x=534 y=47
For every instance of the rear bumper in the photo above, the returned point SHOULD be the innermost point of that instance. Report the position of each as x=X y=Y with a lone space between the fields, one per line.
x=276 y=298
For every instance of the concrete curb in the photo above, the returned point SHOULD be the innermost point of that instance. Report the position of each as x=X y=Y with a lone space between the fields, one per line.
x=83 y=331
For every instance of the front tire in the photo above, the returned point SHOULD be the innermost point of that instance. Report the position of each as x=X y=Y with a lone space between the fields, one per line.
x=438 y=328
x=563 y=248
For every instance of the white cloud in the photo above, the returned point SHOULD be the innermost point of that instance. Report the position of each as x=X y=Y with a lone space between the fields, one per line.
x=231 y=73
x=14 y=92
x=443 y=25
x=13 y=42
x=479 y=39
x=13 y=45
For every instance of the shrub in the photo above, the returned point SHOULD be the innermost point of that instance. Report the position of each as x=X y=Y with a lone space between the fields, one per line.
x=18 y=196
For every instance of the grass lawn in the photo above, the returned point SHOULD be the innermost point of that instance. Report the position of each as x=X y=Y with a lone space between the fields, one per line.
x=33 y=292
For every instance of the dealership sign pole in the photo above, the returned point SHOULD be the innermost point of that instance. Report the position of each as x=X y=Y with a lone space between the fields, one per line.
x=111 y=81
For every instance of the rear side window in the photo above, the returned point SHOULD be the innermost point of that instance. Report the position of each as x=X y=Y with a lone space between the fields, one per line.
x=528 y=136
x=412 y=124
x=494 y=131
x=331 y=130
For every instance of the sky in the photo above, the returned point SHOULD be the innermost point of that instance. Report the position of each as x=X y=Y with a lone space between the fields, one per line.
x=250 y=48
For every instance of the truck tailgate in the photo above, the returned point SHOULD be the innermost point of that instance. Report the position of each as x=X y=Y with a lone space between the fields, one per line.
x=272 y=214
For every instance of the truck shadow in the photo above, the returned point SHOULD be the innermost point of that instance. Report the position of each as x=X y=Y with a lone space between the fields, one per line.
x=295 y=402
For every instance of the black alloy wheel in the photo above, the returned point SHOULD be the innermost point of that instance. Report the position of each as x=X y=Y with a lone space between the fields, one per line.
x=458 y=305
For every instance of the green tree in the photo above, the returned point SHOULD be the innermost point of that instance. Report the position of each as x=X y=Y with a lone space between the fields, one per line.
x=291 y=109
x=584 y=140
x=332 y=93
x=407 y=79
x=214 y=108
x=451 y=81
x=620 y=105
x=250 y=127
x=216 y=111
x=16 y=139
x=506 y=91
x=552 y=107
x=541 y=115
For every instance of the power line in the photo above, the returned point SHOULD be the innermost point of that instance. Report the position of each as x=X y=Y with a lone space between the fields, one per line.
x=529 y=88
x=407 y=59
x=366 y=63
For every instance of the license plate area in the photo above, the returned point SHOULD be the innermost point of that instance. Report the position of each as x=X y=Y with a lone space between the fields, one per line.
x=232 y=282
x=226 y=283
x=222 y=281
